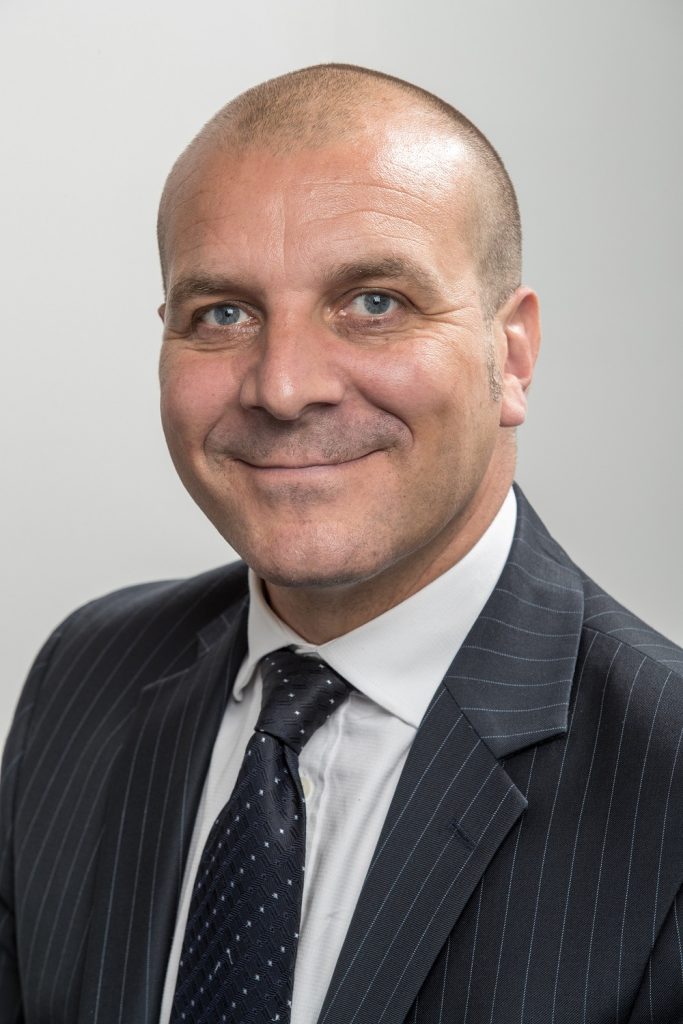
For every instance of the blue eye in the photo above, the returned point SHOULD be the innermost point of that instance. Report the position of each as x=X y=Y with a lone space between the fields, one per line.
x=373 y=303
x=223 y=316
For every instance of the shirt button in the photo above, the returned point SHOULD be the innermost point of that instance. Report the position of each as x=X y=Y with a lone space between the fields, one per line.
x=307 y=787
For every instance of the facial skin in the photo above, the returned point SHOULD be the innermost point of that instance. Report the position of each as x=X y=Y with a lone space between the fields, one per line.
x=325 y=370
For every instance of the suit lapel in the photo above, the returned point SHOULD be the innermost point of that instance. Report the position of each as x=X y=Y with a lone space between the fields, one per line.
x=452 y=808
x=508 y=688
x=155 y=790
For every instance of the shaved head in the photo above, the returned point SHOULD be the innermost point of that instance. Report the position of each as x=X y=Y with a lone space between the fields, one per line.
x=335 y=103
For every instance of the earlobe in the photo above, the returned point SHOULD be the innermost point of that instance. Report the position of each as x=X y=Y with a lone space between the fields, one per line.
x=521 y=327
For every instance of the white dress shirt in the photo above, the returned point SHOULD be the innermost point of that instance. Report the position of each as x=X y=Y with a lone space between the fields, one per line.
x=351 y=765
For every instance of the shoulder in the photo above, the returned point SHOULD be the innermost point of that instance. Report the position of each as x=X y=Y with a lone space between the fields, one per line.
x=606 y=617
x=105 y=652
x=624 y=666
x=87 y=678
x=175 y=611
x=603 y=616
x=642 y=672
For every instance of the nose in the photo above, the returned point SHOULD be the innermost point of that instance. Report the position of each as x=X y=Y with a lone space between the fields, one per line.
x=294 y=368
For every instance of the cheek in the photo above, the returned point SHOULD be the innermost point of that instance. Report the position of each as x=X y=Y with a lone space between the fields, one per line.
x=194 y=394
x=430 y=392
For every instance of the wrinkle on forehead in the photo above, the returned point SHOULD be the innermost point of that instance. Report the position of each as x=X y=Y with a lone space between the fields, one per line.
x=411 y=165
x=405 y=189
x=414 y=166
x=324 y=201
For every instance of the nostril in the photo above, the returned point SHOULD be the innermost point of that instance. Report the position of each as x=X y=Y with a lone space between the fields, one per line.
x=287 y=380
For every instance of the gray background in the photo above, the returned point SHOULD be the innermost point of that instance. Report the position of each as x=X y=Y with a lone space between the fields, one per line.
x=582 y=99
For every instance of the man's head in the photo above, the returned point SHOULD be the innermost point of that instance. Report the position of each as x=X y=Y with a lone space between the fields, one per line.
x=330 y=103
x=346 y=344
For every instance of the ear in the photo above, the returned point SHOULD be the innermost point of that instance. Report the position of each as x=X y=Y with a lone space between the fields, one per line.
x=518 y=333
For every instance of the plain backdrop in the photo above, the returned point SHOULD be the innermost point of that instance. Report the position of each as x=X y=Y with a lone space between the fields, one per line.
x=582 y=99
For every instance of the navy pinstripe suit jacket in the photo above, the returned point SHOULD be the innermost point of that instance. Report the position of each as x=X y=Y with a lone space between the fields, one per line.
x=530 y=866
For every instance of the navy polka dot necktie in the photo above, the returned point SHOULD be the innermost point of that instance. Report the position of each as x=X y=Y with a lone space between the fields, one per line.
x=239 y=949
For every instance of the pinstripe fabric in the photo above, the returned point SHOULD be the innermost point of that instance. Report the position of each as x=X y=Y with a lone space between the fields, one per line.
x=530 y=866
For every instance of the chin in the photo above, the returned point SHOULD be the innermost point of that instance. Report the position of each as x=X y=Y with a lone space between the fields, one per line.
x=303 y=561
x=306 y=575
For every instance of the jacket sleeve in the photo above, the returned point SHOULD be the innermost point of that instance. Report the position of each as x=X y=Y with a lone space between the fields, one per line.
x=660 y=996
x=10 y=974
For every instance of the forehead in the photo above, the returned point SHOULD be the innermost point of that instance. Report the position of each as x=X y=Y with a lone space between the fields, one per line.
x=285 y=214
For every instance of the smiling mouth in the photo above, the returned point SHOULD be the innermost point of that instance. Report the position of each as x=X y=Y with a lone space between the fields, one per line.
x=298 y=466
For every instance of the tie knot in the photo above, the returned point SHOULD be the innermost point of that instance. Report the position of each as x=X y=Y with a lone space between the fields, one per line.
x=300 y=692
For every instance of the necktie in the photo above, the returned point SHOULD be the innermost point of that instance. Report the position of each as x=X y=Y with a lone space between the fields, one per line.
x=239 y=948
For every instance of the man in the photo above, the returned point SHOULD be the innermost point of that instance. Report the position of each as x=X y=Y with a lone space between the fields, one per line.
x=488 y=810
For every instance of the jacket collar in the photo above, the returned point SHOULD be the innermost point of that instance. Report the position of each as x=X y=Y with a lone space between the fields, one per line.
x=512 y=677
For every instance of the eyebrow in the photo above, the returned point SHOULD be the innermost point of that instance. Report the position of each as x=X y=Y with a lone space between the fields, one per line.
x=389 y=268
x=200 y=284
x=348 y=273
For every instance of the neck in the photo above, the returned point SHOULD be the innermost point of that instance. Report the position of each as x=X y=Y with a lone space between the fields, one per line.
x=321 y=613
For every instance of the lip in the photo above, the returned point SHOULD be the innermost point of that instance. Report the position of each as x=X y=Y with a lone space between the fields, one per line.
x=301 y=468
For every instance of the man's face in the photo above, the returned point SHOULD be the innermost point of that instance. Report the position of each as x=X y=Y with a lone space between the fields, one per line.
x=325 y=372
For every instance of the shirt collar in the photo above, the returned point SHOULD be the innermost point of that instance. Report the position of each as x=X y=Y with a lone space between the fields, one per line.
x=399 y=658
